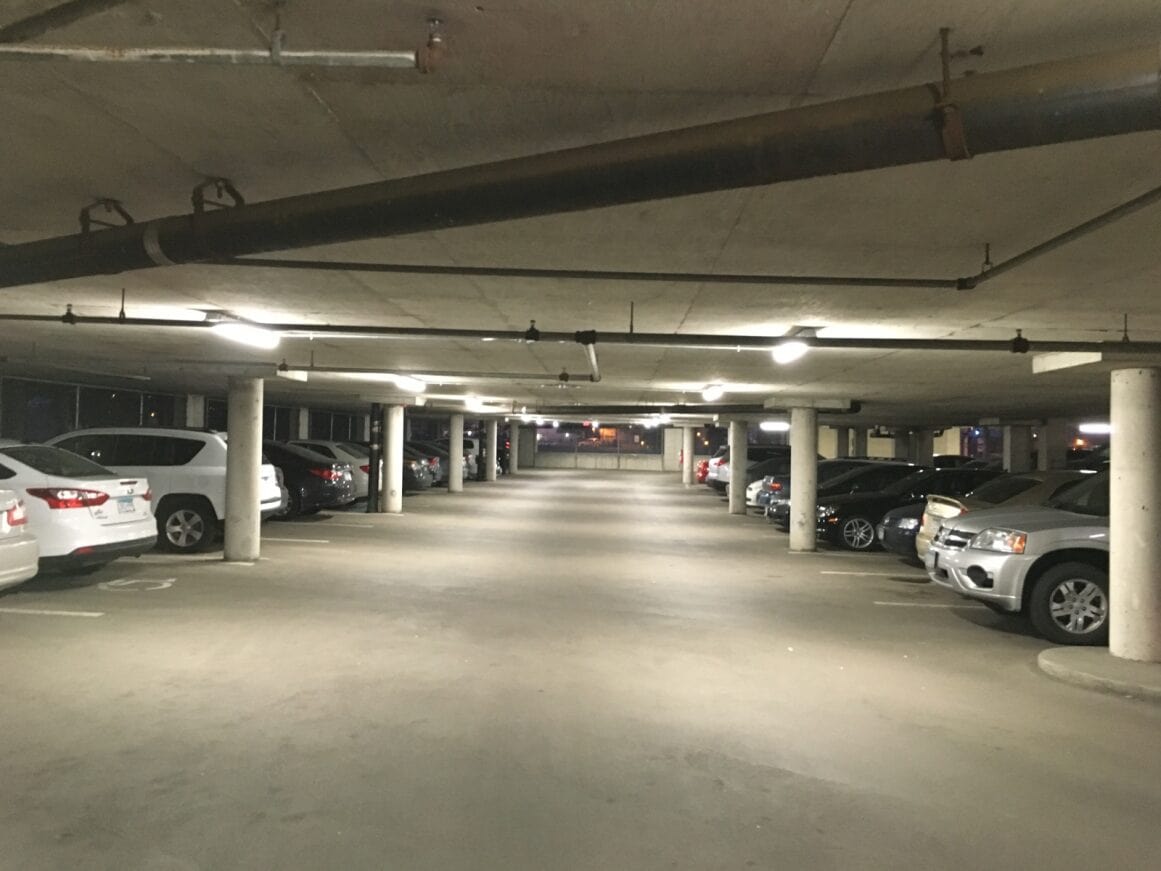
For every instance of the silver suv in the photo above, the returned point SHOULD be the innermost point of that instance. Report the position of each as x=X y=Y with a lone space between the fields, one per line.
x=1051 y=563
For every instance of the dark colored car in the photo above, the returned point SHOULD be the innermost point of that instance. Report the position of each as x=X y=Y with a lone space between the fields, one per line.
x=898 y=528
x=313 y=481
x=867 y=478
x=754 y=454
x=849 y=521
x=778 y=484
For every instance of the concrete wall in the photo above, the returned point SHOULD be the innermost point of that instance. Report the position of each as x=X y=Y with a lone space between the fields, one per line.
x=827 y=442
x=671 y=449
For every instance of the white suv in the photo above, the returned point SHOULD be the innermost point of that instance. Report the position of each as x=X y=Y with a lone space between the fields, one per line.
x=186 y=470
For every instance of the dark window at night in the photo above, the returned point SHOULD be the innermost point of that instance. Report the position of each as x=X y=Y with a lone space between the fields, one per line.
x=101 y=407
x=32 y=411
x=342 y=427
x=158 y=409
x=320 y=425
x=216 y=414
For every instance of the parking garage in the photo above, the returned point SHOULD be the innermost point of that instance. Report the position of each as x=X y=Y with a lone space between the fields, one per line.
x=892 y=237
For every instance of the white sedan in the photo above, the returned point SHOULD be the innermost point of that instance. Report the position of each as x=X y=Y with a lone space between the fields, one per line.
x=19 y=550
x=82 y=514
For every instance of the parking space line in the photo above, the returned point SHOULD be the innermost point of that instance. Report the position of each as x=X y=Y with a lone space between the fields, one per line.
x=929 y=605
x=874 y=574
x=301 y=540
x=47 y=613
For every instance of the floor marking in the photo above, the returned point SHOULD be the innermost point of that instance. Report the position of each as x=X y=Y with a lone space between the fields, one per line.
x=46 y=613
x=929 y=605
x=874 y=574
x=301 y=540
x=133 y=585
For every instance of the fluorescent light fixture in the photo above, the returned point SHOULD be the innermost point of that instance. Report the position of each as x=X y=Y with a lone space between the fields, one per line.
x=556 y=424
x=774 y=426
x=1095 y=428
x=406 y=382
x=664 y=419
x=248 y=334
x=713 y=393
x=488 y=339
x=789 y=351
x=293 y=374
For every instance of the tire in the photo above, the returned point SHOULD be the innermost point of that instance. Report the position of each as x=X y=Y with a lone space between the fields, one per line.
x=1070 y=604
x=186 y=525
x=857 y=533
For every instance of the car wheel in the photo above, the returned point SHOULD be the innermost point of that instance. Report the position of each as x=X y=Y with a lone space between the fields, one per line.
x=857 y=533
x=186 y=525
x=1070 y=604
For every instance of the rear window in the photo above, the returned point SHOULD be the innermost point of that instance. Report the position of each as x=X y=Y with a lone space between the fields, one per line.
x=355 y=448
x=1003 y=488
x=53 y=461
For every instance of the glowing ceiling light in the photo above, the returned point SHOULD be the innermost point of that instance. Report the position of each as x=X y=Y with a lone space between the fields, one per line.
x=774 y=426
x=406 y=382
x=713 y=393
x=1095 y=428
x=248 y=334
x=789 y=351
x=664 y=419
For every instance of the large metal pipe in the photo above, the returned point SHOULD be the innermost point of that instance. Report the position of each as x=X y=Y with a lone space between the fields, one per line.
x=218 y=56
x=1059 y=101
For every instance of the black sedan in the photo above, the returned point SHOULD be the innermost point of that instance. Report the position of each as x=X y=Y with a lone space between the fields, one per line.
x=314 y=482
x=898 y=528
x=849 y=521
x=870 y=477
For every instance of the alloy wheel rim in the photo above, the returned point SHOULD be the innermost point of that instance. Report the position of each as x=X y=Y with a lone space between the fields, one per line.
x=184 y=528
x=1078 y=606
x=858 y=533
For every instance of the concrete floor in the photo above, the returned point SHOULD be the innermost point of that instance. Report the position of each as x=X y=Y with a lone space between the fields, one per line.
x=558 y=671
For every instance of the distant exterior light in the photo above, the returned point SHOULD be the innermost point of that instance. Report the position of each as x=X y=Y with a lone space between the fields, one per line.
x=1095 y=428
x=248 y=334
x=774 y=426
x=596 y=424
x=540 y=421
x=556 y=424
x=789 y=351
x=713 y=393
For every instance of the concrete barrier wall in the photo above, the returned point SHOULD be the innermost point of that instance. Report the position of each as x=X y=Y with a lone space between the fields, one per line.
x=605 y=462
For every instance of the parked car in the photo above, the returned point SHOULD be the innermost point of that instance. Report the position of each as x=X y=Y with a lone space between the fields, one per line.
x=471 y=451
x=186 y=469
x=1051 y=563
x=754 y=454
x=436 y=458
x=850 y=521
x=949 y=461
x=344 y=452
x=700 y=471
x=314 y=481
x=1025 y=488
x=19 y=549
x=774 y=485
x=896 y=531
x=868 y=478
x=82 y=514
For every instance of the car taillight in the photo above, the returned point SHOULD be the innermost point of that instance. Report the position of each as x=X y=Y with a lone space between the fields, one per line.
x=63 y=497
x=433 y=461
x=16 y=515
x=365 y=469
x=326 y=474
x=775 y=485
x=147 y=495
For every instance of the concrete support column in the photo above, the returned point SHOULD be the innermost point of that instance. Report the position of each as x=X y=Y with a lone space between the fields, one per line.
x=688 y=462
x=1018 y=448
x=924 y=450
x=1134 y=494
x=804 y=479
x=392 y=501
x=300 y=423
x=195 y=410
x=1052 y=452
x=493 y=444
x=860 y=446
x=243 y=468
x=902 y=446
x=739 y=459
x=455 y=449
x=365 y=426
x=514 y=448
x=842 y=443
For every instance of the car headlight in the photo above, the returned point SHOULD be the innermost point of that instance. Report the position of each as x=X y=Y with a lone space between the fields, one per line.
x=826 y=510
x=909 y=523
x=1000 y=541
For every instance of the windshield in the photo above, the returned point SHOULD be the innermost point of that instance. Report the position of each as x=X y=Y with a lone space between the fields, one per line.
x=1090 y=496
x=53 y=461
x=911 y=482
x=1003 y=488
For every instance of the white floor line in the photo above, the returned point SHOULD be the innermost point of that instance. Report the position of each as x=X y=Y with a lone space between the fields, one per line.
x=929 y=605
x=301 y=540
x=874 y=574
x=46 y=613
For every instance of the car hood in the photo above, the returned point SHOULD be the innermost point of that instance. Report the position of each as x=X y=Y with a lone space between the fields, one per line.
x=1030 y=519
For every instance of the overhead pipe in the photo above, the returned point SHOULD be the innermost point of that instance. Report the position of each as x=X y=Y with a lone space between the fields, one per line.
x=1059 y=101
x=589 y=338
x=274 y=56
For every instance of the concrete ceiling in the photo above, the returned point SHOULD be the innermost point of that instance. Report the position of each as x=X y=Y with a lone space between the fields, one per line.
x=527 y=76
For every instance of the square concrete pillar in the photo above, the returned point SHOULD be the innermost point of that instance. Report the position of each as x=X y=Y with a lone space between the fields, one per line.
x=1052 y=450
x=860 y=442
x=195 y=410
x=923 y=446
x=300 y=423
x=1018 y=448
x=842 y=437
x=902 y=450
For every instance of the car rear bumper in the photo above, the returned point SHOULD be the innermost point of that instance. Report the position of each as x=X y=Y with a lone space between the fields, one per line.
x=99 y=554
x=19 y=559
x=896 y=540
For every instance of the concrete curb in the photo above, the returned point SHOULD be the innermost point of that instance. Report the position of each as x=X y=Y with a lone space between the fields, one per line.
x=1097 y=669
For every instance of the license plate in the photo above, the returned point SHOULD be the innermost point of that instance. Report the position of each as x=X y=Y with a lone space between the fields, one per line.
x=125 y=505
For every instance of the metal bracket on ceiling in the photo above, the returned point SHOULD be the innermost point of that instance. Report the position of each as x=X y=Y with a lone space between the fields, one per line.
x=111 y=207
x=951 y=127
x=223 y=187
